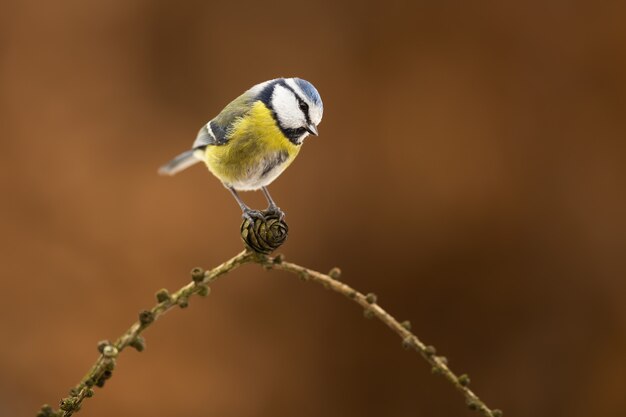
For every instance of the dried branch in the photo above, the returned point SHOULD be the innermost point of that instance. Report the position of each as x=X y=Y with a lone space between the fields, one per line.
x=263 y=235
x=372 y=309
x=103 y=368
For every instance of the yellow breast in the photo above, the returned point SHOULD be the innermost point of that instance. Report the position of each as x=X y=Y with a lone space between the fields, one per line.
x=256 y=153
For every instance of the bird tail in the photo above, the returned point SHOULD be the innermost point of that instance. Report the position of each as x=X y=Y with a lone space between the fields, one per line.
x=181 y=162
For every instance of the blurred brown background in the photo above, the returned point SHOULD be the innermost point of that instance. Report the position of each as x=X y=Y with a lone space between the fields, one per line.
x=470 y=170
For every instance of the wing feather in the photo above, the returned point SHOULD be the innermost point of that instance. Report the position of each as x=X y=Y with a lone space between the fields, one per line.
x=217 y=131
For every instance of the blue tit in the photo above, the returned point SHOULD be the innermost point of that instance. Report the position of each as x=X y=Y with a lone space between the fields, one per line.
x=255 y=137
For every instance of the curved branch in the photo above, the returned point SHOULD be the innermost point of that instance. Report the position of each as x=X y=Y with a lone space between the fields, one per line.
x=104 y=365
x=372 y=309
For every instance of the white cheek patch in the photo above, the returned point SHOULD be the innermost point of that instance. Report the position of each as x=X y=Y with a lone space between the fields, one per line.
x=315 y=111
x=316 y=114
x=286 y=107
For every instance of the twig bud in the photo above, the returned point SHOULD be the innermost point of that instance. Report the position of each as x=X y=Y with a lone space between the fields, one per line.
x=89 y=393
x=110 y=351
x=139 y=343
x=163 y=295
x=430 y=350
x=464 y=380
x=408 y=342
x=266 y=233
x=406 y=324
x=197 y=274
x=204 y=290
x=472 y=405
x=68 y=404
x=46 y=411
x=334 y=273
x=496 y=413
x=146 y=317
x=368 y=313
x=183 y=302
x=371 y=298
x=102 y=344
x=109 y=364
x=443 y=360
x=278 y=259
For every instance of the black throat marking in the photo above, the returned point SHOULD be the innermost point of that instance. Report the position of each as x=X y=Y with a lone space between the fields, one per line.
x=266 y=98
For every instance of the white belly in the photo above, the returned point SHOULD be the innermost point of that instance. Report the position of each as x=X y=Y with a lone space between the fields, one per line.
x=263 y=174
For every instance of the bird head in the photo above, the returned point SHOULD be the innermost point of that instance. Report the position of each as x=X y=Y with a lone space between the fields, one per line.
x=298 y=108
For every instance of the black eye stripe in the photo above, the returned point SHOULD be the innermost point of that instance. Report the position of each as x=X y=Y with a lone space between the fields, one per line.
x=301 y=103
x=304 y=107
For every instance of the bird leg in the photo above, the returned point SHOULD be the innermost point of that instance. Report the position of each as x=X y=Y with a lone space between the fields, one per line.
x=272 y=208
x=248 y=213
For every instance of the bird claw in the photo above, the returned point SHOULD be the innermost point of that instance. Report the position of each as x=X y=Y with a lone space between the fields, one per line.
x=273 y=209
x=252 y=215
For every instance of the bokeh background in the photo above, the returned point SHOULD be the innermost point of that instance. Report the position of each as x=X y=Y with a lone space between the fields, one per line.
x=470 y=170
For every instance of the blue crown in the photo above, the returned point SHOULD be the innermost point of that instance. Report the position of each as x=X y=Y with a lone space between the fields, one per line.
x=310 y=91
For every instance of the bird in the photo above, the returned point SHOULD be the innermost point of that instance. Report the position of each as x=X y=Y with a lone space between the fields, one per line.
x=255 y=138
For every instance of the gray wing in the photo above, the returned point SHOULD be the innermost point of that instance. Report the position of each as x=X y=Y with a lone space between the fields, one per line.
x=206 y=137
x=217 y=131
